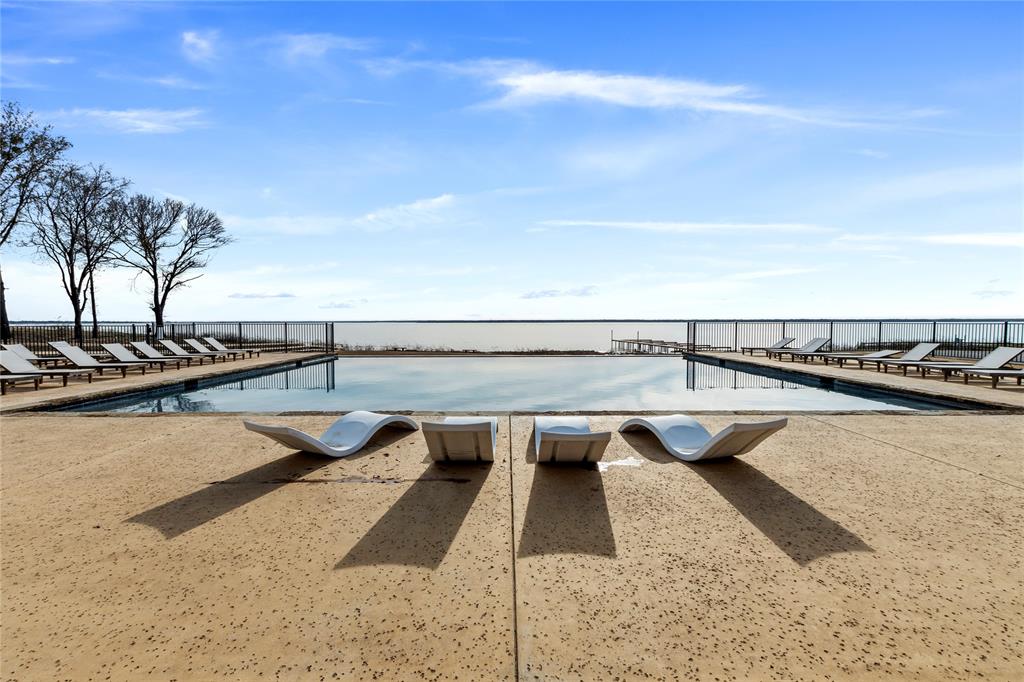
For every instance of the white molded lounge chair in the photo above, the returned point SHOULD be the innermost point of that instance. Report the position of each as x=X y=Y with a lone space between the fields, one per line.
x=462 y=439
x=778 y=345
x=568 y=439
x=994 y=374
x=24 y=352
x=151 y=353
x=841 y=358
x=15 y=379
x=915 y=354
x=217 y=345
x=997 y=359
x=200 y=348
x=15 y=364
x=124 y=355
x=344 y=437
x=180 y=352
x=809 y=348
x=79 y=358
x=685 y=438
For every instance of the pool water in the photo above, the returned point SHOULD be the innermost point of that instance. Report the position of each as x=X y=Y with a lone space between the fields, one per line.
x=528 y=384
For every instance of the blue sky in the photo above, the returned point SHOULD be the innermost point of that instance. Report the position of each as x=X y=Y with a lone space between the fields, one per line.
x=465 y=161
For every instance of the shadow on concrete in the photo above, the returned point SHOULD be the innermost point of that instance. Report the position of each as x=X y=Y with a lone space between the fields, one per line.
x=567 y=512
x=220 y=497
x=796 y=527
x=420 y=527
x=648 y=446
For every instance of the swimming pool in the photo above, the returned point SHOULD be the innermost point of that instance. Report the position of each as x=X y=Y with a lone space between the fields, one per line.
x=495 y=383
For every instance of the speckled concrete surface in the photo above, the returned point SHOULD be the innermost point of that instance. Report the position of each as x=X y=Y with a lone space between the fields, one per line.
x=824 y=554
x=122 y=559
x=1007 y=394
x=182 y=547
x=24 y=397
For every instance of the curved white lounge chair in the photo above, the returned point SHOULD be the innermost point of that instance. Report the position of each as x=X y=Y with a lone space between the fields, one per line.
x=685 y=438
x=342 y=438
x=462 y=439
x=568 y=439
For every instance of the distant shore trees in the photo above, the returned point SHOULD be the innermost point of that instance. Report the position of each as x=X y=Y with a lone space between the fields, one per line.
x=82 y=219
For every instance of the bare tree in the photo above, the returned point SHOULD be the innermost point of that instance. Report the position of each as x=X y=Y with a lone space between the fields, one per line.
x=27 y=152
x=168 y=243
x=75 y=224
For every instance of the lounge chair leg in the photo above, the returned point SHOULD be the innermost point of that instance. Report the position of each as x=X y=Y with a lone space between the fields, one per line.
x=39 y=381
x=965 y=378
x=995 y=380
x=65 y=378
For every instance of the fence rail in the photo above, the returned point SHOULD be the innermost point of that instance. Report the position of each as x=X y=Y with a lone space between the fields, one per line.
x=958 y=338
x=265 y=336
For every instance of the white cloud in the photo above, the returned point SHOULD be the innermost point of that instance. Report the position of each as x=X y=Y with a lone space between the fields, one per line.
x=298 y=47
x=1001 y=239
x=166 y=81
x=418 y=213
x=199 y=46
x=947 y=182
x=589 y=290
x=257 y=295
x=26 y=60
x=977 y=239
x=686 y=227
x=992 y=293
x=343 y=305
x=133 y=120
x=525 y=83
x=764 y=274
x=872 y=153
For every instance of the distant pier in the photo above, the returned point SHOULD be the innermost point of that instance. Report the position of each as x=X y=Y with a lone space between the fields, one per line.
x=660 y=346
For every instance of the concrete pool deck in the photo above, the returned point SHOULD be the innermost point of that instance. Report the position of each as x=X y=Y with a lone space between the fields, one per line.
x=1007 y=395
x=51 y=393
x=183 y=547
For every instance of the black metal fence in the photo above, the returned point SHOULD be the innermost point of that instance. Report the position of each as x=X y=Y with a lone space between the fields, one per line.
x=958 y=338
x=265 y=336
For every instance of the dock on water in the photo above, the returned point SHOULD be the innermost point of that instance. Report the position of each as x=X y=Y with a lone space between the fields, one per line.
x=660 y=346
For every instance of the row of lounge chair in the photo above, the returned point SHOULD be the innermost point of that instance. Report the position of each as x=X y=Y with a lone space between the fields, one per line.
x=992 y=366
x=556 y=439
x=20 y=364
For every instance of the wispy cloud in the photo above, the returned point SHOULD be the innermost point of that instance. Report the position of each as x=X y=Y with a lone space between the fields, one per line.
x=524 y=83
x=589 y=290
x=687 y=227
x=415 y=214
x=166 y=81
x=343 y=305
x=418 y=213
x=31 y=60
x=146 y=121
x=299 y=47
x=992 y=293
x=872 y=153
x=200 y=47
x=946 y=182
x=766 y=274
x=257 y=295
x=999 y=239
